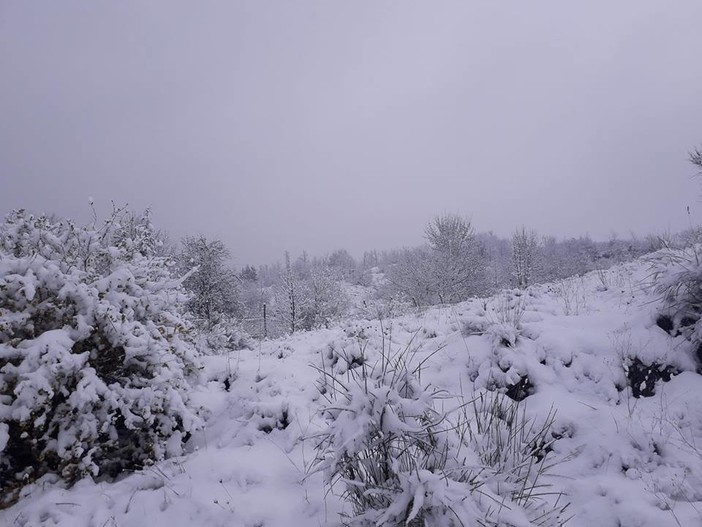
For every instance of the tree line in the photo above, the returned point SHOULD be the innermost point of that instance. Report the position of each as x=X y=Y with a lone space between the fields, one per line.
x=453 y=264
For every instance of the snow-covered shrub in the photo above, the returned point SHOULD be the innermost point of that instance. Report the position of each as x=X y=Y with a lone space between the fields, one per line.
x=572 y=294
x=383 y=308
x=505 y=369
x=223 y=336
x=384 y=444
x=677 y=277
x=339 y=358
x=94 y=355
x=474 y=325
x=644 y=367
x=604 y=277
x=508 y=309
x=503 y=335
x=501 y=317
x=272 y=415
x=400 y=461
x=516 y=451
x=350 y=352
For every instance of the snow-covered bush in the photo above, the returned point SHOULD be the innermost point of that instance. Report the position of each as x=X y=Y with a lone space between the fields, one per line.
x=506 y=369
x=223 y=336
x=571 y=292
x=384 y=444
x=504 y=313
x=515 y=449
x=677 y=277
x=400 y=461
x=95 y=358
x=499 y=321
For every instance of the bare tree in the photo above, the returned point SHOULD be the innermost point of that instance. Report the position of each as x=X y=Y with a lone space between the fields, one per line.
x=308 y=294
x=525 y=249
x=326 y=298
x=449 y=235
x=497 y=261
x=289 y=296
x=456 y=263
x=410 y=277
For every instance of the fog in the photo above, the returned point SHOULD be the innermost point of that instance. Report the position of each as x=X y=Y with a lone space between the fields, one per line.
x=322 y=125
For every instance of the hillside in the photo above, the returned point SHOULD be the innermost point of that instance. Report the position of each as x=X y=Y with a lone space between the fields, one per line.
x=622 y=449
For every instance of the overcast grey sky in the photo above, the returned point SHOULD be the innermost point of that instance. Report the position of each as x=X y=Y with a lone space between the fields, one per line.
x=295 y=125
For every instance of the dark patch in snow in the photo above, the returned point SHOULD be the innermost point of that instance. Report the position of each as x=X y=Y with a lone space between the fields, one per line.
x=278 y=421
x=665 y=323
x=520 y=390
x=357 y=361
x=430 y=334
x=687 y=321
x=643 y=378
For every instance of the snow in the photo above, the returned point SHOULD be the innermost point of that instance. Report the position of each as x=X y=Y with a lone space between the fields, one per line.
x=619 y=460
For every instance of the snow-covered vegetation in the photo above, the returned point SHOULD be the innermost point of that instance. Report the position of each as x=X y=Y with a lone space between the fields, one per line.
x=468 y=382
x=95 y=357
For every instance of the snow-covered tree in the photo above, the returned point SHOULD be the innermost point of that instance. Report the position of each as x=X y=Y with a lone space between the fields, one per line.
x=409 y=277
x=456 y=265
x=326 y=300
x=497 y=261
x=308 y=294
x=212 y=285
x=525 y=257
x=569 y=257
x=95 y=357
x=290 y=296
x=248 y=274
x=343 y=265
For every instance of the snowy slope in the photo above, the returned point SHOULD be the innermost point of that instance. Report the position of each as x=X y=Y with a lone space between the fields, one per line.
x=621 y=461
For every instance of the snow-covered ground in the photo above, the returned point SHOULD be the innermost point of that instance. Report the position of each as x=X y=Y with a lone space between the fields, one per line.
x=621 y=461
